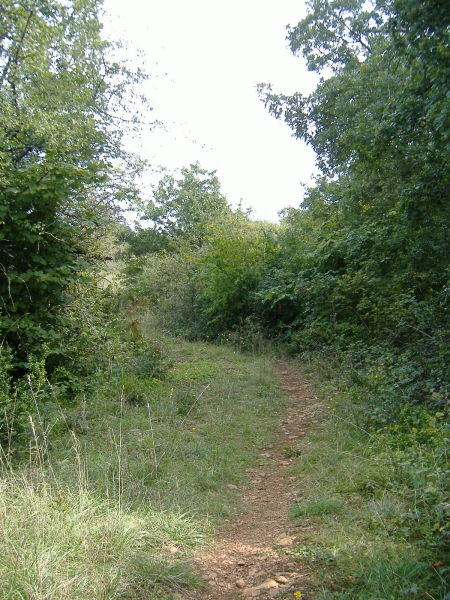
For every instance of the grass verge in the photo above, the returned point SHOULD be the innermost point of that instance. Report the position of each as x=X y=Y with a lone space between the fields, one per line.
x=372 y=517
x=118 y=490
x=66 y=543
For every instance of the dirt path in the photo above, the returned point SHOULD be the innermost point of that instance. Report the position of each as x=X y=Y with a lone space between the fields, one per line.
x=252 y=556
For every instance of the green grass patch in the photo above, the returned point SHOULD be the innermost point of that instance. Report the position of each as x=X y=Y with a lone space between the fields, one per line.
x=317 y=507
x=115 y=492
x=67 y=543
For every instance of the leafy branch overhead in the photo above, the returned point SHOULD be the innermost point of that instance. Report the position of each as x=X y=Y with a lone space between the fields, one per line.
x=382 y=95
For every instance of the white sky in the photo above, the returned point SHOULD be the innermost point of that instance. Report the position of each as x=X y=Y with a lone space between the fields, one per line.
x=205 y=58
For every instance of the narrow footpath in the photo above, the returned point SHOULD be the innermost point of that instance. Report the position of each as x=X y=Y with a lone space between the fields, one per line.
x=252 y=557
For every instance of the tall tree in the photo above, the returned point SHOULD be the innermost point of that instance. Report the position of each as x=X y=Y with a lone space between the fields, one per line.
x=183 y=210
x=379 y=123
x=382 y=103
x=366 y=257
x=59 y=149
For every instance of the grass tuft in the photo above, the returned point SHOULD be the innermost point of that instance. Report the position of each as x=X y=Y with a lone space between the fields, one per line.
x=317 y=507
x=65 y=543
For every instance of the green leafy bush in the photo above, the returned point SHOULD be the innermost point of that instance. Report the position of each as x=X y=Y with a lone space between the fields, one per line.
x=61 y=159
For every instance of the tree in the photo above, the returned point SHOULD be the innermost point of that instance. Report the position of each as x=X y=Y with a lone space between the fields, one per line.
x=384 y=110
x=60 y=147
x=184 y=209
x=364 y=261
x=379 y=123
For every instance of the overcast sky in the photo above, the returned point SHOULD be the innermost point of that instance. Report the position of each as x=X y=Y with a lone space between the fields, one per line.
x=205 y=59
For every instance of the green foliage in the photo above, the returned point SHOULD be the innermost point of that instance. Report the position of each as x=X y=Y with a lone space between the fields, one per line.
x=183 y=211
x=110 y=487
x=38 y=261
x=20 y=399
x=230 y=269
x=318 y=507
x=358 y=276
x=84 y=547
x=161 y=261
x=7 y=398
x=373 y=502
x=60 y=157
x=98 y=342
x=185 y=401
x=166 y=283
x=386 y=575
x=363 y=265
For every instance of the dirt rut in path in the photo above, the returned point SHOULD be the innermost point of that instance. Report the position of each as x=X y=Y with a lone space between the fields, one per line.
x=252 y=557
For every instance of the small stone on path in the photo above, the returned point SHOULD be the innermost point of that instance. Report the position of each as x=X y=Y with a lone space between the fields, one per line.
x=285 y=541
x=252 y=592
x=269 y=584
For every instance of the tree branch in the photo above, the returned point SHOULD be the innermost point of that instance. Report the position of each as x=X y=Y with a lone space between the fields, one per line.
x=15 y=59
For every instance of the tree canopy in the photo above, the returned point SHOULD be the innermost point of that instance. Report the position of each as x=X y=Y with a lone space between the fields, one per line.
x=183 y=210
x=60 y=148
x=378 y=122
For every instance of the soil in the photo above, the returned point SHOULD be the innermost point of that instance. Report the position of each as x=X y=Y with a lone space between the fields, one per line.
x=253 y=556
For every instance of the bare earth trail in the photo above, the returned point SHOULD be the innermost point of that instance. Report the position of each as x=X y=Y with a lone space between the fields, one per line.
x=251 y=558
